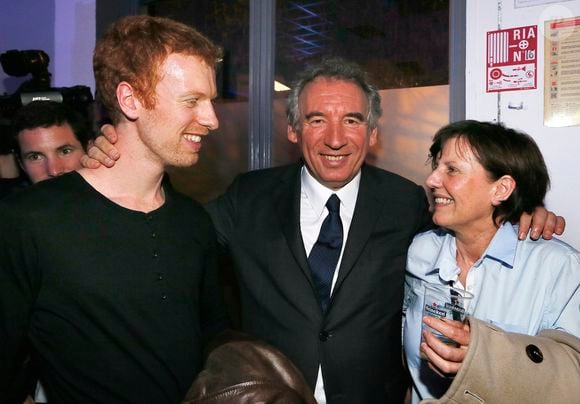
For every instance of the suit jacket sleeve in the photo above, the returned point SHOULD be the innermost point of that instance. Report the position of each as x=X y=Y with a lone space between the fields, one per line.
x=503 y=367
x=222 y=212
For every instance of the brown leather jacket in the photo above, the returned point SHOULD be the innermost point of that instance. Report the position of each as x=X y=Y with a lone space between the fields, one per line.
x=243 y=370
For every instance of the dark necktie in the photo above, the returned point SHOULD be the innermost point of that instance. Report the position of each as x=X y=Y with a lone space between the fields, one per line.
x=326 y=251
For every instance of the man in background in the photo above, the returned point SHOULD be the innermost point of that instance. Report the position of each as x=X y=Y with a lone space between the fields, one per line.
x=44 y=140
x=11 y=177
x=109 y=273
x=51 y=137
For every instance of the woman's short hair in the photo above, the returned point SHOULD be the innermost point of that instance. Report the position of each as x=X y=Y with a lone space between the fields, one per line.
x=502 y=151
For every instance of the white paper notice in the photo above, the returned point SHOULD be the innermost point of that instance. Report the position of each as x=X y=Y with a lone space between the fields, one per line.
x=562 y=73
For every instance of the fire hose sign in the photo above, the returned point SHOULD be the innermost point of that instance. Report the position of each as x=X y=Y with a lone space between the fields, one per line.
x=512 y=59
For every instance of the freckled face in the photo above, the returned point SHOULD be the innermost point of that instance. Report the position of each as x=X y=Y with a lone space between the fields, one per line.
x=183 y=113
x=49 y=152
x=335 y=136
x=462 y=189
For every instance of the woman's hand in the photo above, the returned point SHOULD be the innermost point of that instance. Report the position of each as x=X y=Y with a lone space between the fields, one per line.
x=445 y=359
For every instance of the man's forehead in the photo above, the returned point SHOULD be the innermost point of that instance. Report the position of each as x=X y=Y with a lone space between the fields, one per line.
x=327 y=81
x=188 y=74
x=177 y=62
x=327 y=92
x=44 y=134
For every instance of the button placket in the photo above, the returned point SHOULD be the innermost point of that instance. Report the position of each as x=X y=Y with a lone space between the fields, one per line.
x=153 y=234
x=160 y=275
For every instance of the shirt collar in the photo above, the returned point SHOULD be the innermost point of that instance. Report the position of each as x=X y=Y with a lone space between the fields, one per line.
x=446 y=263
x=502 y=249
x=318 y=194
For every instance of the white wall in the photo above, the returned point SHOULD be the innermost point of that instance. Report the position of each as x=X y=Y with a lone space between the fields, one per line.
x=560 y=146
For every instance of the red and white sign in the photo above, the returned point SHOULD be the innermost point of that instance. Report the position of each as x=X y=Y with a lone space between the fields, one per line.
x=512 y=59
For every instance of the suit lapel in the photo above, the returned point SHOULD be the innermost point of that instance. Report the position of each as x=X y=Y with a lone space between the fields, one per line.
x=286 y=202
x=367 y=210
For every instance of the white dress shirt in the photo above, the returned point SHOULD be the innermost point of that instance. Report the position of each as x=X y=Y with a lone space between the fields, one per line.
x=313 y=211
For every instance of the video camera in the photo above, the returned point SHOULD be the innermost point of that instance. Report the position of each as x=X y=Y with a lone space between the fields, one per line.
x=35 y=62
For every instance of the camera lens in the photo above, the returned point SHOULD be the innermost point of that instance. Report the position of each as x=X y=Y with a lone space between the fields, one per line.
x=20 y=63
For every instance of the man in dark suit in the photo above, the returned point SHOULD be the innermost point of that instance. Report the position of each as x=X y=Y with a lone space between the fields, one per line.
x=270 y=219
x=343 y=331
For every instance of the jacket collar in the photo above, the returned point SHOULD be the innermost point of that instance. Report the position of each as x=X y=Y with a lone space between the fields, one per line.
x=286 y=202
x=369 y=206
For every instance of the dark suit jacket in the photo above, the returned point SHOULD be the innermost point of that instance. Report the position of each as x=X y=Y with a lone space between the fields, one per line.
x=358 y=341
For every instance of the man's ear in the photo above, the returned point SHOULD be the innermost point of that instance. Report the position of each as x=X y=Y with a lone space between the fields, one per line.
x=504 y=186
x=292 y=135
x=127 y=100
x=374 y=136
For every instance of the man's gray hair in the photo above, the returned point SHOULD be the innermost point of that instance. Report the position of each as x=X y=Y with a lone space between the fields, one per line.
x=340 y=69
